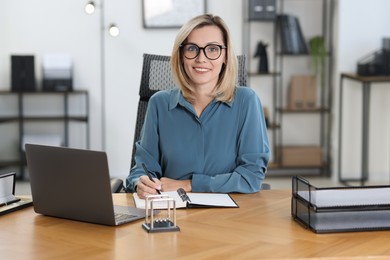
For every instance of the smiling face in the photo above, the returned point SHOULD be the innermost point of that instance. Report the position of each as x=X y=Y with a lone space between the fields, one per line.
x=203 y=72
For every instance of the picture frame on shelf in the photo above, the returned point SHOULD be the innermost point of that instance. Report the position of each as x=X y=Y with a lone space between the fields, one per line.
x=160 y=14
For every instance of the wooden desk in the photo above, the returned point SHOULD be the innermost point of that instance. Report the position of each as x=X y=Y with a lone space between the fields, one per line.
x=261 y=228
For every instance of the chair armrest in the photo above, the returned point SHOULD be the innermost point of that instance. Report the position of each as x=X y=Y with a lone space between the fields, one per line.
x=265 y=186
x=116 y=185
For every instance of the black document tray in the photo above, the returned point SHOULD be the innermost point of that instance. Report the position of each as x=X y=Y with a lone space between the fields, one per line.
x=340 y=209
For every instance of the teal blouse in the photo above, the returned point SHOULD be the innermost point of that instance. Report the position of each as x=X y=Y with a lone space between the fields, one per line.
x=224 y=150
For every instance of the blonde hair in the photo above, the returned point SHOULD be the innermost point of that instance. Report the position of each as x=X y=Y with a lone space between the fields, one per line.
x=225 y=88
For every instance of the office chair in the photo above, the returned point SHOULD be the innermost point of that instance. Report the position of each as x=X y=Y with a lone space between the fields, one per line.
x=156 y=76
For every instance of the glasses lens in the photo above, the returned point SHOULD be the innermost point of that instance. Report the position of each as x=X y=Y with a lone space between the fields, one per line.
x=190 y=51
x=212 y=51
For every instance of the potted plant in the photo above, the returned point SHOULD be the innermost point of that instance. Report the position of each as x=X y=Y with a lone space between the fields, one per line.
x=317 y=51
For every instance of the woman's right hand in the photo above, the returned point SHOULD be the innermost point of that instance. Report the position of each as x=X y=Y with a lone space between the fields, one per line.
x=146 y=187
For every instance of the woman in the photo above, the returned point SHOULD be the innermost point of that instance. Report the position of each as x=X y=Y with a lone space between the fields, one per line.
x=208 y=135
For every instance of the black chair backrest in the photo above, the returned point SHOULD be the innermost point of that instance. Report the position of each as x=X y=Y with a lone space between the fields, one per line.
x=156 y=76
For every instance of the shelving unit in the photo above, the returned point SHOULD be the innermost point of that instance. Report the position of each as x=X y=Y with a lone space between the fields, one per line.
x=292 y=128
x=48 y=104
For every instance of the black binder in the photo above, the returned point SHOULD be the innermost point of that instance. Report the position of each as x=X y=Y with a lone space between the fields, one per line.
x=291 y=35
x=22 y=73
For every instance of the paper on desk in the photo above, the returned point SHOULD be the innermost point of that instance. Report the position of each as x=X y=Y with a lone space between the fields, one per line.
x=141 y=203
x=6 y=188
x=347 y=197
x=214 y=199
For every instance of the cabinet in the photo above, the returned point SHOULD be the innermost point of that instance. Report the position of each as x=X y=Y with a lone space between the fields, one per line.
x=40 y=114
x=299 y=136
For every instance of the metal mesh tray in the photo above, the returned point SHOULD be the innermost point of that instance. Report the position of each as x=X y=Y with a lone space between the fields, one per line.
x=340 y=209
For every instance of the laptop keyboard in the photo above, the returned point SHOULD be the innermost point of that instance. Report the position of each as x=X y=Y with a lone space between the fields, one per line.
x=122 y=215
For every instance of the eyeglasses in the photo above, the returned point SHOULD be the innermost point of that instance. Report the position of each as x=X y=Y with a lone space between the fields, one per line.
x=211 y=51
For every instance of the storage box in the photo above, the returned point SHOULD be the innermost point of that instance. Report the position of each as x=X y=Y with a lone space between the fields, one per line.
x=57 y=72
x=306 y=156
x=302 y=92
x=262 y=10
x=340 y=209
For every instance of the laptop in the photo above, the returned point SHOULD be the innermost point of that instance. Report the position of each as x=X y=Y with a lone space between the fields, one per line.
x=74 y=184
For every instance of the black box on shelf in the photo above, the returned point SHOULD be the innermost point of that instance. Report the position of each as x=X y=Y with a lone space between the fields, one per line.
x=340 y=209
x=377 y=63
x=57 y=85
x=262 y=10
x=57 y=72
x=22 y=73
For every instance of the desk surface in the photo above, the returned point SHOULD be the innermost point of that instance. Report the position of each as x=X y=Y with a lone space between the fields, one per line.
x=261 y=228
x=366 y=78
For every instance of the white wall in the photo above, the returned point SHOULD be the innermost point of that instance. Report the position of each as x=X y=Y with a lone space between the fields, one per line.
x=40 y=27
x=62 y=26
x=48 y=26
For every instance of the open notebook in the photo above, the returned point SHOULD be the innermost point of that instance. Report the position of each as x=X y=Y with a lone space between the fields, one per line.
x=191 y=200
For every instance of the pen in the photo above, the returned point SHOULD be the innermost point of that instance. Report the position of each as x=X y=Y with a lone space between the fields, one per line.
x=150 y=176
x=9 y=202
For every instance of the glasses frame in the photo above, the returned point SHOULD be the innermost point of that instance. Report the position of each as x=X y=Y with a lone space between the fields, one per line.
x=203 y=48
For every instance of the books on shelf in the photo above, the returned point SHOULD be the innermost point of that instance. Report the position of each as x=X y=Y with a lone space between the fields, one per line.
x=291 y=35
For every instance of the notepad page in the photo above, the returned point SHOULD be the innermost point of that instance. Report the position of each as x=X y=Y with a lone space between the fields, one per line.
x=140 y=203
x=6 y=188
x=348 y=197
x=212 y=199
